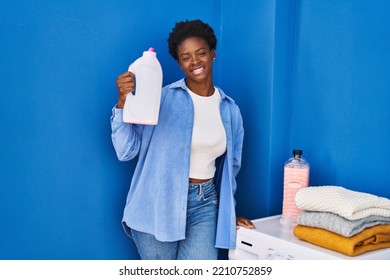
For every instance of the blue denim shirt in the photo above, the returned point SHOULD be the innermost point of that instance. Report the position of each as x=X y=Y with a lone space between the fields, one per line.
x=157 y=199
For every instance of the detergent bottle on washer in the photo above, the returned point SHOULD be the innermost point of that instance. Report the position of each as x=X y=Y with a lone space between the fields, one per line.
x=296 y=177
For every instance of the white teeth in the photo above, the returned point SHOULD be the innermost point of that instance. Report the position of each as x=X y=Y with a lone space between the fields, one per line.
x=198 y=70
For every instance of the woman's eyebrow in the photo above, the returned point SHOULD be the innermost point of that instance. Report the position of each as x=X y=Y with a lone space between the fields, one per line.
x=200 y=49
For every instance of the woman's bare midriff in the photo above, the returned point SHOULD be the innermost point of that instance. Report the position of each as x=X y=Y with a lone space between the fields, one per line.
x=198 y=181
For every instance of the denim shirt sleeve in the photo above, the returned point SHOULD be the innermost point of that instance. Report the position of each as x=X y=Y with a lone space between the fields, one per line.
x=126 y=138
x=238 y=132
x=228 y=169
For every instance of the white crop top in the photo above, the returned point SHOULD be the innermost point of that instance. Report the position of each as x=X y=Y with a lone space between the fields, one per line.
x=208 y=135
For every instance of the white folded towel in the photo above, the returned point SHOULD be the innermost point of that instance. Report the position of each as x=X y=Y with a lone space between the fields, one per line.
x=349 y=204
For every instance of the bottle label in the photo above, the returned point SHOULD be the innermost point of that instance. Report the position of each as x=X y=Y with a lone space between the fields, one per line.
x=294 y=180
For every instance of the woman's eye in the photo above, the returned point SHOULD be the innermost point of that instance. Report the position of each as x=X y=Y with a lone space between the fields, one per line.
x=202 y=54
x=185 y=58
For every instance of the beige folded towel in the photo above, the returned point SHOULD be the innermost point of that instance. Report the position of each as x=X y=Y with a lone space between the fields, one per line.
x=349 y=204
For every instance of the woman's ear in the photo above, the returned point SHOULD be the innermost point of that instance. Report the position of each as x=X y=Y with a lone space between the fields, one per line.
x=213 y=54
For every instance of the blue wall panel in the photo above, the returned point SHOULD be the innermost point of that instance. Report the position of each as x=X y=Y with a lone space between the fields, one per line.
x=245 y=58
x=306 y=74
x=62 y=188
x=341 y=104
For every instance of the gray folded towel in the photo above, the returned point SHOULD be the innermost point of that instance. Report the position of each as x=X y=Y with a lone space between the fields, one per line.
x=337 y=224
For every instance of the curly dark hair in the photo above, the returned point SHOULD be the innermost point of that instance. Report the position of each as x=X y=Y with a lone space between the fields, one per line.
x=187 y=29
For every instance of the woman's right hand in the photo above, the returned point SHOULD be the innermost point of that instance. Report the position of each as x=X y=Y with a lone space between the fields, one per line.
x=125 y=84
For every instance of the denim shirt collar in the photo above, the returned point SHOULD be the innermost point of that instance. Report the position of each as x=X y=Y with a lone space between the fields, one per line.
x=182 y=84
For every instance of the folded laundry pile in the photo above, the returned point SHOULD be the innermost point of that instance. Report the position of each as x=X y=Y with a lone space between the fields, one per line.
x=343 y=220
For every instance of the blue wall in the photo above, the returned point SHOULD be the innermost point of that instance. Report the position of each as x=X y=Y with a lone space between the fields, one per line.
x=306 y=74
x=341 y=93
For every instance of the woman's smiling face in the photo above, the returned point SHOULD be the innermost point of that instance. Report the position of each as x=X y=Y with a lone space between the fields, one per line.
x=196 y=59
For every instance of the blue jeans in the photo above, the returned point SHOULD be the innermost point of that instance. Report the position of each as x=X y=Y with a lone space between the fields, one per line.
x=199 y=242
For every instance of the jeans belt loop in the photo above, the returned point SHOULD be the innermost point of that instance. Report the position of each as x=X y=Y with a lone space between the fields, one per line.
x=200 y=190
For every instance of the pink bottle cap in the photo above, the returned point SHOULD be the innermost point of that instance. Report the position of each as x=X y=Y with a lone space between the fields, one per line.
x=151 y=50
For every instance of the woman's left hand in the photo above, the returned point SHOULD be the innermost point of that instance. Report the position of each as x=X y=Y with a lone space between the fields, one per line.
x=244 y=222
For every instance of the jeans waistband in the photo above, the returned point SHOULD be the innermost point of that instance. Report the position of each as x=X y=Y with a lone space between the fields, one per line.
x=199 y=186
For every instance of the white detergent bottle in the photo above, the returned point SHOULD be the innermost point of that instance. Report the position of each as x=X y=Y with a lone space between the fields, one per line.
x=143 y=107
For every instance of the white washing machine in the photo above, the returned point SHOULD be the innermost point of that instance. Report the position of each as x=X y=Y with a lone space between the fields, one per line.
x=271 y=241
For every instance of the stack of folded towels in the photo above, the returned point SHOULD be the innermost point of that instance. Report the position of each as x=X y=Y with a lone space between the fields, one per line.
x=343 y=220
